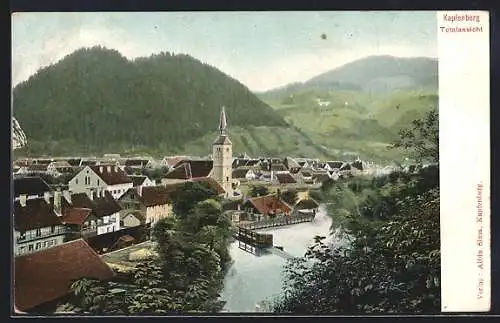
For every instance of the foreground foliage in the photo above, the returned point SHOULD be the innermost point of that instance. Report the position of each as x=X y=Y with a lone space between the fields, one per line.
x=392 y=261
x=186 y=276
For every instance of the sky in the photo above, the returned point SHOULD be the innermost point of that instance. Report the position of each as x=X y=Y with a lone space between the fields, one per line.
x=263 y=50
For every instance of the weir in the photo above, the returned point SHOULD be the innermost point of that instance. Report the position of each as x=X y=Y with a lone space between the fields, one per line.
x=261 y=243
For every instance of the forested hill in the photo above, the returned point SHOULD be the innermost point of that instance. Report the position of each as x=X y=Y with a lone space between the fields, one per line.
x=95 y=99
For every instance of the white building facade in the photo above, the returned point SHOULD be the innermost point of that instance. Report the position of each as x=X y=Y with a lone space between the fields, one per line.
x=222 y=154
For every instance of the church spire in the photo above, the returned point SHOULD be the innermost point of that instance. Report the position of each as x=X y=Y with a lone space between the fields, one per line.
x=222 y=121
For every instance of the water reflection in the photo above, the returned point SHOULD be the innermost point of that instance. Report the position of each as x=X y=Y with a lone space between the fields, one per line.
x=252 y=279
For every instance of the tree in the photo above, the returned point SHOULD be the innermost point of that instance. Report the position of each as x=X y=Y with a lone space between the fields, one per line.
x=392 y=263
x=422 y=139
x=259 y=190
x=368 y=277
x=185 y=197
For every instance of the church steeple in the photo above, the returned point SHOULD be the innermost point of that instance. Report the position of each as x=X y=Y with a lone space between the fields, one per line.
x=222 y=122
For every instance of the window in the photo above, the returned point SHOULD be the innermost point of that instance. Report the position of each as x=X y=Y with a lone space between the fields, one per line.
x=227 y=179
x=97 y=182
x=227 y=149
x=76 y=181
x=30 y=247
x=22 y=249
x=38 y=245
x=53 y=229
x=38 y=232
x=22 y=236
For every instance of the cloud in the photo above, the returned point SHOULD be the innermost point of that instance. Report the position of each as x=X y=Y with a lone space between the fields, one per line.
x=257 y=75
x=26 y=60
x=300 y=68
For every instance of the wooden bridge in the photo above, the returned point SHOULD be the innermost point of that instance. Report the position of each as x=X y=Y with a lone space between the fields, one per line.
x=261 y=243
x=279 y=221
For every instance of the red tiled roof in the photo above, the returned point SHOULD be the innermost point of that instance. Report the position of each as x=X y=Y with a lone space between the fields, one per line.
x=112 y=177
x=156 y=195
x=101 y=206
x=174 y=160
x=75 y=215
x=285 y=178
x=36 y=214
x=269 y=204
x=179 y=172
x=212 y=183
x=188 y=169
x=47 y=275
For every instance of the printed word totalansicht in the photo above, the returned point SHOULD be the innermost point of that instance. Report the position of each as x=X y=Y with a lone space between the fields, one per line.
x=462 y=29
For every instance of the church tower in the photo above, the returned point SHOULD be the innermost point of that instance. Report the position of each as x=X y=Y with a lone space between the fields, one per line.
x=222 y=155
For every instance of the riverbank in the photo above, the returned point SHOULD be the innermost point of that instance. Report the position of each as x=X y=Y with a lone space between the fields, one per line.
x=252 y=279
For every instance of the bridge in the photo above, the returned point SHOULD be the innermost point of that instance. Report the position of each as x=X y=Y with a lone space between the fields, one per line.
x=261 y=243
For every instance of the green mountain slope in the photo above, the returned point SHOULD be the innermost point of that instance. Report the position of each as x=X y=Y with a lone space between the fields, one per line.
x=95 y=100
x=359 y=108
x=370 y=74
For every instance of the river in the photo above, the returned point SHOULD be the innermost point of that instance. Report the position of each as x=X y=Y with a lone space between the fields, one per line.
x=252 y=279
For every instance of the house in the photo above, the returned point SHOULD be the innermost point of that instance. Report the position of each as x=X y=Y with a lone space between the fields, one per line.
x=319 y=178
x=244 y=173
x=292 y=165
x=43 y=278
x=268 y=205
x=29 y=187
x=96 y=179
x=33 y=169
x=105 y=213
x=305 y=177
x=333 y=165
x=306 y=206
x=88 y=162
x=188 y=169
x=57 y=168
x=36 y=226
x=171 y=161
x=152 y=202
x=140 y=180
x=345 y=169
x=212 y=183
x=138 y=163
x=74 y=162
x=80 y=222
x=284 y=179
x=131 y=218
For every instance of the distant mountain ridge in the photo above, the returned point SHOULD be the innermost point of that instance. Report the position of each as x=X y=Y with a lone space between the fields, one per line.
x=95 y=99
x=373 y=73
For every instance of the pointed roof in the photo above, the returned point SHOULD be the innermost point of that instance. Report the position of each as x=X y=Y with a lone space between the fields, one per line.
x=222 y=121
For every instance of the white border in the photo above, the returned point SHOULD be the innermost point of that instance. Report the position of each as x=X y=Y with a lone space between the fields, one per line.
x=464 y=132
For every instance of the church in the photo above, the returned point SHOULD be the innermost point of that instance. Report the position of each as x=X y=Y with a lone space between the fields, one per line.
x=222 y=156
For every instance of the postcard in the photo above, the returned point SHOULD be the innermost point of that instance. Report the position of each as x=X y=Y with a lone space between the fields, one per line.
x=232 y=163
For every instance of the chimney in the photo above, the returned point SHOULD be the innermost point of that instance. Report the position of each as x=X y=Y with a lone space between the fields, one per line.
x=57 y=202
x=22 y=199
x=46 y=196
x=108 y=168
x=101 y=169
